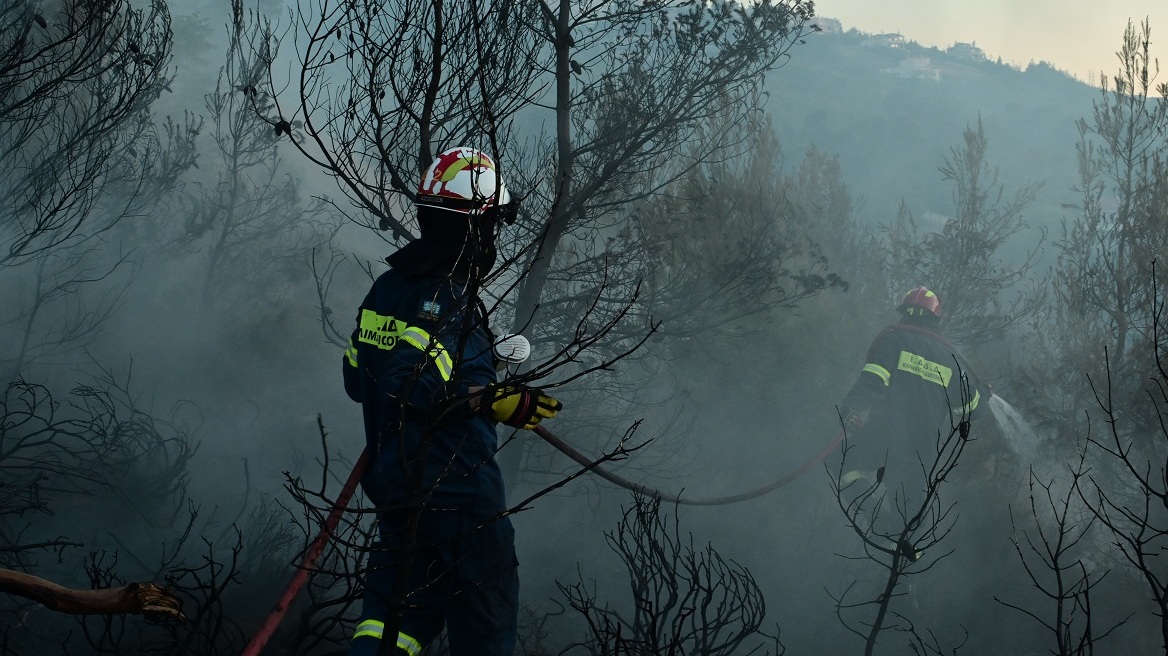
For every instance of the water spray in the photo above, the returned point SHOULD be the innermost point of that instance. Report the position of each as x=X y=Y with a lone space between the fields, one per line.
x=1019 y=435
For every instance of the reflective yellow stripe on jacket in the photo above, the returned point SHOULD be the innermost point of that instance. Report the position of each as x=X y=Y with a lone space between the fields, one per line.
x=876 y=369
x=376 y=629
x=351 y=354
x=384 y=333
x=433 y=348
x=968 y=408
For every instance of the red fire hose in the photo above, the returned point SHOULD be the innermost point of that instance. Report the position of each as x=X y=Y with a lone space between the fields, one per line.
x=260 y=639
x=256 y=645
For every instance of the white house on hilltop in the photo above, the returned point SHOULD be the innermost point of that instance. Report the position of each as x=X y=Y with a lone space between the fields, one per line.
x=967 y=51
x=915 y=68
x=889 y=40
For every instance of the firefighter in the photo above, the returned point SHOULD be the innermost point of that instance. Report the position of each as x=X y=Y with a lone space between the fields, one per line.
x=421 y=364
x=914 y=388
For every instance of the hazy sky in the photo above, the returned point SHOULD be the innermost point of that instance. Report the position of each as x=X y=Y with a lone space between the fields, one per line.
x=1077 y=36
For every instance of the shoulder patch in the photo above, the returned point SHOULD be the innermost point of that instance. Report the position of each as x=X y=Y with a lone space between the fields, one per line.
x=430 y=311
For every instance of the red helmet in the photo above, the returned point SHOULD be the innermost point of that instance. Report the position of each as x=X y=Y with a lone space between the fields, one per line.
x=918 y=301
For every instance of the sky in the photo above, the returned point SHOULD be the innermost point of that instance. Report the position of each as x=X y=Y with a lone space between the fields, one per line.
x=1076 y=36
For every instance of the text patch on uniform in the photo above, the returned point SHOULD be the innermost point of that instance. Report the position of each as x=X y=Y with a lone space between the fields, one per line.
x=381 y=331
x=927 y=369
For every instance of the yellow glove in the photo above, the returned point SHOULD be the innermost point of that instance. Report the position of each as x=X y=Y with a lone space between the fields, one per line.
x=520 y=406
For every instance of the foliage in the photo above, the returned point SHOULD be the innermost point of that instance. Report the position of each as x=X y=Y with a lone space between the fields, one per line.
x=79 y=152
x=657 y=205
x=962 y=260
x=1131 y=505
x=386 y=85
x=728 y=241
x=251 y=224
x=101 y=442
x=1101 y=284
x=903 y=534
x=74 y=86
x=1057 y=559
x=685 y=600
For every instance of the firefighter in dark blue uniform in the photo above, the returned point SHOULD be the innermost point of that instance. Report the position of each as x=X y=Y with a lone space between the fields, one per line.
x=421 y=364
x=914 y=388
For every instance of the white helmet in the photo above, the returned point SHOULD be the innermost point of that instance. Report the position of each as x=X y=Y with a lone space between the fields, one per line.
x=463 y=180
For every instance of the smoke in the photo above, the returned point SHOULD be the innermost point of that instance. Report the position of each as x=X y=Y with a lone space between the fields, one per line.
x=242 y=367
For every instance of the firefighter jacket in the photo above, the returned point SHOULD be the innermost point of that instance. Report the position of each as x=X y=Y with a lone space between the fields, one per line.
x=914 y=387
x=420 y=343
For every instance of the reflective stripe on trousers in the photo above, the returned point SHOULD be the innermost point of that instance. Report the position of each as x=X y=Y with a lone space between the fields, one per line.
x=376 y=629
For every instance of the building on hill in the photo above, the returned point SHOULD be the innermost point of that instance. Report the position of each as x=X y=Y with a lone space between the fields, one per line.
x=827 y=25
x=967 y=51
x=915 y=68
x=889 y=40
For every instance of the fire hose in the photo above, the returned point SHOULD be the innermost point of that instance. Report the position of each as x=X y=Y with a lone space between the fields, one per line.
x=261 y=637
x=583 y=460
x=272 y=621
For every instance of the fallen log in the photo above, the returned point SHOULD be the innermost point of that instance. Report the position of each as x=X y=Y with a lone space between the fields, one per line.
x=152 y=601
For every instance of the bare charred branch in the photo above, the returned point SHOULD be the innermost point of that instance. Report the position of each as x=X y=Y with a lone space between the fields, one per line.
x=148 y=599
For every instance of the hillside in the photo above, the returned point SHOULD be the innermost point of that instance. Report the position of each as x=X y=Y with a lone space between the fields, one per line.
x=847 y=96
